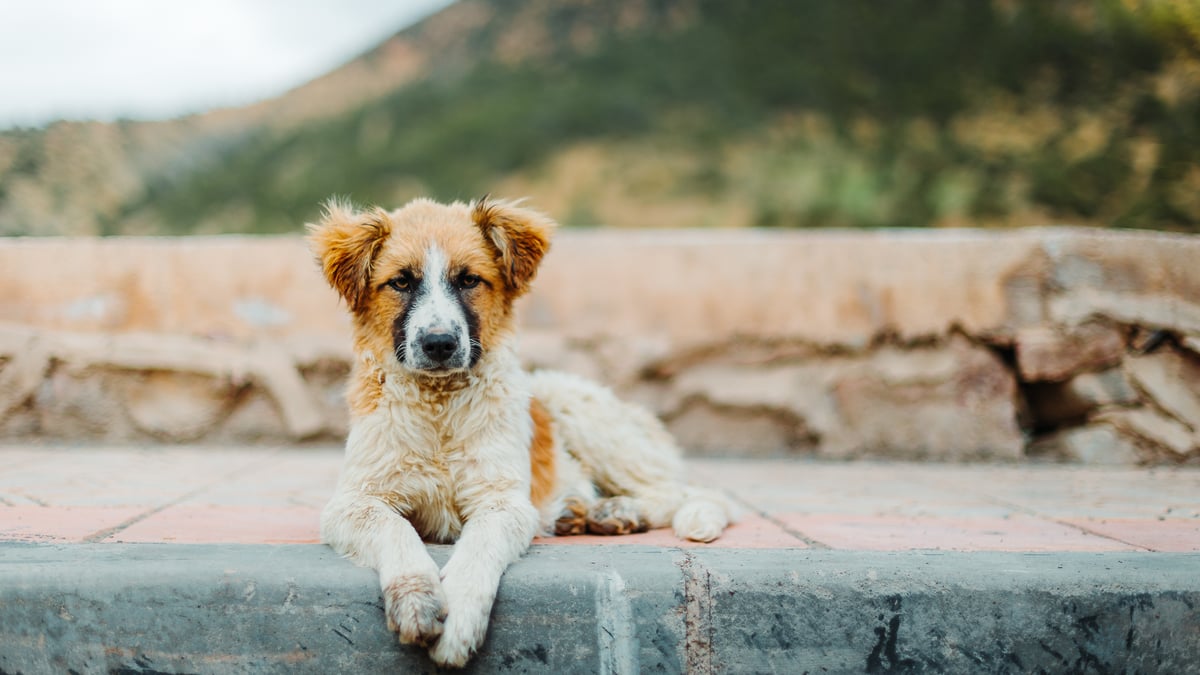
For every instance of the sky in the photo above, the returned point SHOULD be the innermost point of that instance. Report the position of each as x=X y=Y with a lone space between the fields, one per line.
x=157 y=59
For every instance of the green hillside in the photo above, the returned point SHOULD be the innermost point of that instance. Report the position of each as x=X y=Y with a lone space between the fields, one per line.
x=768 y=113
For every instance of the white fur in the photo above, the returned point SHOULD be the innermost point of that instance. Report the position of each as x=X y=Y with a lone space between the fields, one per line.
x=444 y=466
x=622 y=449
x=436 y=311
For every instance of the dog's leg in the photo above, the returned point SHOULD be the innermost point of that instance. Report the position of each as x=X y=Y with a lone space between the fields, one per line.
x=630 y=456
x=496 y=533
x=694 y=513
x=567 y=514
x=374 y=535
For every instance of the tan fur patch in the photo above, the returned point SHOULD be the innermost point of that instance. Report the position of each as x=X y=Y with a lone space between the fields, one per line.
x=346 y=244
x=541 y=455
x=519 y=236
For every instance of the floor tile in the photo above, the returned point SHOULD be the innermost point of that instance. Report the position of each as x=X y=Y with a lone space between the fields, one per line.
x=60 y=523
x=898 y=533
x=208 y=524
x=1167 y=535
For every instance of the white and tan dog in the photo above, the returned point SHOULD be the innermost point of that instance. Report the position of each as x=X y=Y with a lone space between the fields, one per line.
x=451 y=441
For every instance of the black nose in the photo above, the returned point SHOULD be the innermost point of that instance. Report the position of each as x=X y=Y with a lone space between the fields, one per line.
x=439 y=346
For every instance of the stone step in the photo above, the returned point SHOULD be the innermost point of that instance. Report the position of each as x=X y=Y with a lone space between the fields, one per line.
x=173 y=608
x=170 y=559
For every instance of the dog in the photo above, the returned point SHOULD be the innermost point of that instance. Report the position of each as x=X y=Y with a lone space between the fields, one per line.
x=451 y=441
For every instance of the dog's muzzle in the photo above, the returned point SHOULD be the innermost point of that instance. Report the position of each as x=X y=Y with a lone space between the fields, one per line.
x=439 y=347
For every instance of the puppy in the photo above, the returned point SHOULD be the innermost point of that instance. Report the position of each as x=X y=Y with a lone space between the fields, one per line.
x=452 y=442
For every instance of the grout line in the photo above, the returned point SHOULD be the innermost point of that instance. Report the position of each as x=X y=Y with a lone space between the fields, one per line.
x=1075 y=526
x=1019 y=508
x=31 y=498
x=775 y=521
x=101 y=535
x=97 y=537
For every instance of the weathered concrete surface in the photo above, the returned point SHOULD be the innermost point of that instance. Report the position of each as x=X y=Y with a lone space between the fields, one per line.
x=950 y=345
x=174 y=608
x=698 y=287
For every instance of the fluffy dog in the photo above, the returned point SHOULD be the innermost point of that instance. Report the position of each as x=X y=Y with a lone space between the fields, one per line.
x=451 y=441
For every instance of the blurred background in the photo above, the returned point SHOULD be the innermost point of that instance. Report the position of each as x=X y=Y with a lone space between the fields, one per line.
x=133 y=117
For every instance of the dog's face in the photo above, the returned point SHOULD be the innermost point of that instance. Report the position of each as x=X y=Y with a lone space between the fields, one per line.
x=432 y=284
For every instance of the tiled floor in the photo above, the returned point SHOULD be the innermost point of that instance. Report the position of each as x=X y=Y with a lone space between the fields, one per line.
x=274 y=495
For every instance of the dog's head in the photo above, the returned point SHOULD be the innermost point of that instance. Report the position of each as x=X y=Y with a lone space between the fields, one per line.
x=432 y=284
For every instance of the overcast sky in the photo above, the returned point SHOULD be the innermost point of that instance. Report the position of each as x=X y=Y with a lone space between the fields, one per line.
x=154 y=59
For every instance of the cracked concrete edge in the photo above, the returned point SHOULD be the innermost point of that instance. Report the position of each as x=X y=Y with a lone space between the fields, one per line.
x=175 y=608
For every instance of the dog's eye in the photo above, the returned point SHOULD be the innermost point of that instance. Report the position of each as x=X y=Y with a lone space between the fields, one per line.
x=403 y=283
x=468 y=280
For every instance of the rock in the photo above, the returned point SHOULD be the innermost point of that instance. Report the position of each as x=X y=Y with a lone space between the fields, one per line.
x=1172 y=380
x=1191 y=343
x=549 y=351
x=1054 y=403
x=625 y=359
x=1153 y=427
x=967 y=411
x=82 y=404
x=800 y=390
x=175 y=407
x=1098 y=444
x=1048 y=354
x=21 y=374
x=255 y=419
x=707 y=430
x=954 y=401
x=1128 y=277
x=326 y=381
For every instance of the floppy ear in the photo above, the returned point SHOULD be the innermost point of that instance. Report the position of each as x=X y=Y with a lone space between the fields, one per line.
x=520 y=238
x=346 y=243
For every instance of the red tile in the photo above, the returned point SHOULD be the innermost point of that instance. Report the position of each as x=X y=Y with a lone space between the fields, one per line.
x=193 y=524
x=1170 y=535
x=60 y=523
x=901 y=533
x=752 y=531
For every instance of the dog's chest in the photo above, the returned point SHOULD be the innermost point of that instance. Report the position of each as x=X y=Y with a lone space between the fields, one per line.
x=424 y=479
x=428 y=463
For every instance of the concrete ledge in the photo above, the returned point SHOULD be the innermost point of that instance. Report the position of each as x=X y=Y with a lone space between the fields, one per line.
x=1073 y=344
x=587 y=609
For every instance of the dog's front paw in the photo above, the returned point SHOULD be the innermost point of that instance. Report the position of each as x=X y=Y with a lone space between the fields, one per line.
x=415 y=606
x=466 y=624
x=464 y=632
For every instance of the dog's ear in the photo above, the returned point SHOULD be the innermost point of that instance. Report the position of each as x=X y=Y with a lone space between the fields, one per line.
x=519 y=237
x=346 y=243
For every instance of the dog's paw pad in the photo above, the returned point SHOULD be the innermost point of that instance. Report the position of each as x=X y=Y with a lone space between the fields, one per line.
x=416 y=609
x=573 y=519
x=615 y=515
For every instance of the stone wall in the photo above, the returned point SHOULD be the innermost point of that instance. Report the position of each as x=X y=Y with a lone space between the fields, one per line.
x=1066 y=344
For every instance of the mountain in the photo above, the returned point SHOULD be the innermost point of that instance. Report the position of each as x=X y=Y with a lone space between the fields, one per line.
x=671 y=113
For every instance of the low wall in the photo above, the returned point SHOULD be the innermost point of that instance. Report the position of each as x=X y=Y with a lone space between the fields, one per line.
x=1068 y=344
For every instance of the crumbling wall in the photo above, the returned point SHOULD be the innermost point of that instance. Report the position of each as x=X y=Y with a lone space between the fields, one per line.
x=1064 y=344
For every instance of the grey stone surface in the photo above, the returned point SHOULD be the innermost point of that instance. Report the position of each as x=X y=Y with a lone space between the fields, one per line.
x=942 y=612
x=606 y=609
